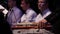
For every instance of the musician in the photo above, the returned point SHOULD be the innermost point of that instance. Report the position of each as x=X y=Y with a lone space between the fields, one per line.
x=29 y=12
x=4 y=26
x=53 y=18
x=45 y=11
x=14 y=13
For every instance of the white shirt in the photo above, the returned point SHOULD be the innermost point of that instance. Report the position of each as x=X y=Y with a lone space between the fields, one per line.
x=14 y=15
x=29 y=16
x=4 y=11
x=45 y=14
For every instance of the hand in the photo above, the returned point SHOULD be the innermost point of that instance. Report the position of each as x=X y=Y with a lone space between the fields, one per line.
x=42 y=23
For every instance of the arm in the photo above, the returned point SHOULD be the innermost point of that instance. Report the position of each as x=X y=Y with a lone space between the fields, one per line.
x=52 y=18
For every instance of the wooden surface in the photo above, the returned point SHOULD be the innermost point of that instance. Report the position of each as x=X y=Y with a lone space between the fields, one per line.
x=25 y=26
x=29 y=26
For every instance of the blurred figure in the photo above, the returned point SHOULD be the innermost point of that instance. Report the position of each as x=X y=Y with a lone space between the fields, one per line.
x=43 y=7
x=45 y=11
x=54 y=17
x=14 y=13
x=29 y=12
x=4 y=26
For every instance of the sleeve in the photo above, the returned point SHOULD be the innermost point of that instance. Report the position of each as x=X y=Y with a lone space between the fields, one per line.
x=53 y=17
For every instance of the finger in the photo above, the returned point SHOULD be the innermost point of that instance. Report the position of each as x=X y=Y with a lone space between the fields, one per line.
x=39 y=25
